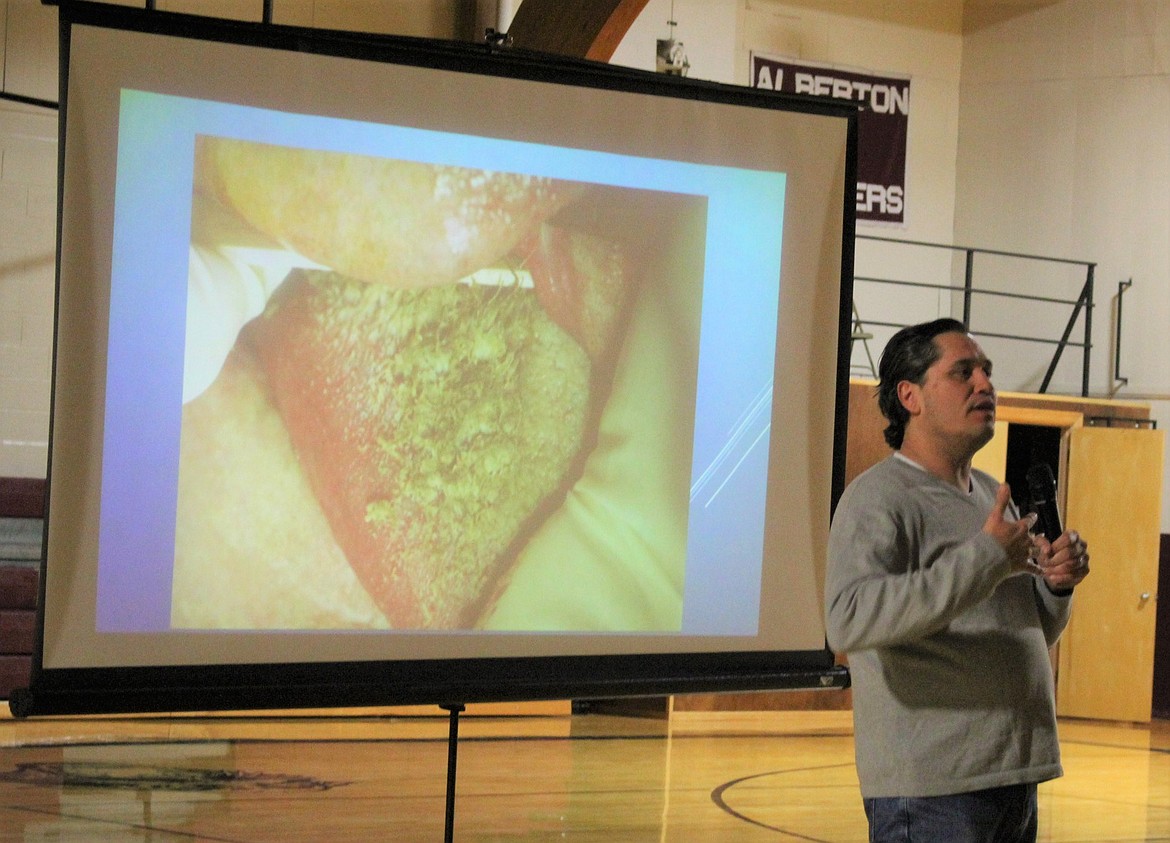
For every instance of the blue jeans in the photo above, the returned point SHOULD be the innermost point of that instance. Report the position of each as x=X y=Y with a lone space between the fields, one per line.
x=997 y=815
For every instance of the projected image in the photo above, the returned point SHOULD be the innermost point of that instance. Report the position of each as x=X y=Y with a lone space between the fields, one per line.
x=415 y=393
x=396 y=371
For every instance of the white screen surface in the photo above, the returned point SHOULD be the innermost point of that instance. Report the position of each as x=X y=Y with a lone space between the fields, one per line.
x=614 y=438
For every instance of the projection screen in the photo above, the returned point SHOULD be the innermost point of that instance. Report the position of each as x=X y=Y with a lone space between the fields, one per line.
x=401 y=371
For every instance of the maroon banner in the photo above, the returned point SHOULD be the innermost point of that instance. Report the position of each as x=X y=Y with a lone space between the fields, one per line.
x=884 y=103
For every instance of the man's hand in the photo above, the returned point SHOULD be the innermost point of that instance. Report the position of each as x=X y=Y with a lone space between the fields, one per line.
x=1065 y=562
x=1013 y=536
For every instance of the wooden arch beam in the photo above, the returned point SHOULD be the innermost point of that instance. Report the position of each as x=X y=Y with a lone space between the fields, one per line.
x=590 y=29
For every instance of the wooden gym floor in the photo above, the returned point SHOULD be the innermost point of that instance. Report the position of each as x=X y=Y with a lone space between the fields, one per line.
x=372 y=776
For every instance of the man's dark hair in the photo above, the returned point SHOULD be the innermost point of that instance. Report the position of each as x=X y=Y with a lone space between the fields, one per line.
x=906 y=357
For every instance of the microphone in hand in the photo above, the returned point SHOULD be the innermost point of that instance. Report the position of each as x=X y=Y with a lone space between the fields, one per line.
x=1042 y=497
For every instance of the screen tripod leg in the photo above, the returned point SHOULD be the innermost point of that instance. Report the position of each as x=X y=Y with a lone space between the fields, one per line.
x=453 y=711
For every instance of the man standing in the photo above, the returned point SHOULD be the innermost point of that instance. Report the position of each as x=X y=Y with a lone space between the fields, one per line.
x=947 y=606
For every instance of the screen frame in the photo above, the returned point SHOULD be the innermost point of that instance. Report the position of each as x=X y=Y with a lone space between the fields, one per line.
x=459 y=680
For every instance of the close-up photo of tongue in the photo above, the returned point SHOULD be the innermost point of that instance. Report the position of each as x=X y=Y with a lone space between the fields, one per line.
x=431 y=368
x=430 y=423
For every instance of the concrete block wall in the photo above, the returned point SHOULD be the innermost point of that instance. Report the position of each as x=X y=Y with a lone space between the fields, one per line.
x=28 y=195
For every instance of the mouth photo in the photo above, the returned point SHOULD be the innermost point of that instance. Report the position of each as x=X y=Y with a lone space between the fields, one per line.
x=391 y=434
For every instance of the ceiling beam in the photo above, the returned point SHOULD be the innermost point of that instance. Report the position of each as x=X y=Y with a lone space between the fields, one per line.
x=590 y=29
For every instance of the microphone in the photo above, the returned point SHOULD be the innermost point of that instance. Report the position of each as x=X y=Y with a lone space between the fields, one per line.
x=1042 y=495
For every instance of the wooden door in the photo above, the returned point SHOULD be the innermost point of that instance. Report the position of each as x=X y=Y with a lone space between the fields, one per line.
x=993 y=457
x=1106 y=656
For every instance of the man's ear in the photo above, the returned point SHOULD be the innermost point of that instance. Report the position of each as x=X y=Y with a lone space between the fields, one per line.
x=910 y=397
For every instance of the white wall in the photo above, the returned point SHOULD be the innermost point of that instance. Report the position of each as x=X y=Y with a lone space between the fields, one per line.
x=707 y=29
x=28 y=197
x=1064 y=149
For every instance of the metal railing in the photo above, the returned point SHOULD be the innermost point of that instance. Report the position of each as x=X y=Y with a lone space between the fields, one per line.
x=1082 y=304
x=1118 y=379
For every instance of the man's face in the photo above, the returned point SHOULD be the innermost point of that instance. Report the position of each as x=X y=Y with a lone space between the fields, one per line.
x=955 y=404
